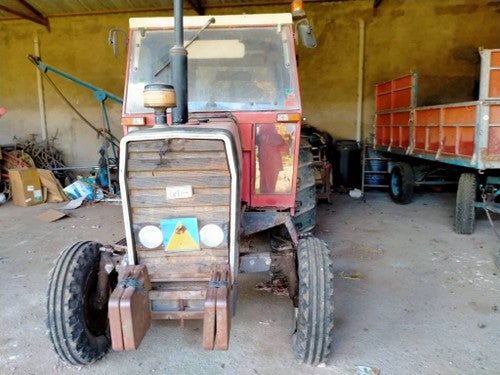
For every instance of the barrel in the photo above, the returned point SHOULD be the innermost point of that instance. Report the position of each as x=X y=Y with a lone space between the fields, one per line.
x=375 y=168
x=346 y=165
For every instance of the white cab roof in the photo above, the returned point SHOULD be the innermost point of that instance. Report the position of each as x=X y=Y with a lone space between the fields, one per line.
x=220 y=21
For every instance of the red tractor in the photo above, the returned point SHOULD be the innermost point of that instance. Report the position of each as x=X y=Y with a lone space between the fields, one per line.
x=193 y=183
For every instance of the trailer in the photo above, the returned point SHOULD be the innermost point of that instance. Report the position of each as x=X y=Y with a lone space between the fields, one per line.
x=442 y=144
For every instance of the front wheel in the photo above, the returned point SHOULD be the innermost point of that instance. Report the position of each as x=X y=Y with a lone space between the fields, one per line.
x=402 y=183
x=78 y=331
x=312 y=340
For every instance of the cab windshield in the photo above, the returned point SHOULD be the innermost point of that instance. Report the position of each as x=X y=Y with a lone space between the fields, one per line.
x=236 y=69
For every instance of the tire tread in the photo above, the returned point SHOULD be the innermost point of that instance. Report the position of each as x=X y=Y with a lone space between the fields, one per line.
x=313 y=338
x=64 y=317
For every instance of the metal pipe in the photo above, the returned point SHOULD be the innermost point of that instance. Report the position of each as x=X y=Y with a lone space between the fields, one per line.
x=179 y=73
x=41 y=95
x=361 y=68
x=99 y=94
x=178 y=23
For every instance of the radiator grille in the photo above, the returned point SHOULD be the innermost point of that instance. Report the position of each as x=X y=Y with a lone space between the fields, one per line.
x=154 y=165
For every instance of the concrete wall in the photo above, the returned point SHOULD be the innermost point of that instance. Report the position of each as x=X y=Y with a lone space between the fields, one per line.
x=439 y=39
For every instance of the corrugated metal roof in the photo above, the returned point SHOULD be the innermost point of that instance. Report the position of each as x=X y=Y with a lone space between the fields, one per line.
x=52 y=8
x=12 y=9
x=40 y=11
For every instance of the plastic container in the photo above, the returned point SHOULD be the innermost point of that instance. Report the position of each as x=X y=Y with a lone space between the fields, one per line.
x=375 y=163
x=346 y=165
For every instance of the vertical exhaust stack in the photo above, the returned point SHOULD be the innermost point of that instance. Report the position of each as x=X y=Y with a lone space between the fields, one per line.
x=178 y=55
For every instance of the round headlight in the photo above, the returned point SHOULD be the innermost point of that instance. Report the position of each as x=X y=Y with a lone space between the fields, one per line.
x=150 y=236
x=211 y=235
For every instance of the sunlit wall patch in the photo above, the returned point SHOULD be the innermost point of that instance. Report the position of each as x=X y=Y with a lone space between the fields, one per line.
x=150 y=236
x=211 y=235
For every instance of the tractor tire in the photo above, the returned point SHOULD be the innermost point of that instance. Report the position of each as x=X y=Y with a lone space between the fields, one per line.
x=305 y=210
x=465 y=208
x=402 y=183
x=79 y=332
x=312 y=340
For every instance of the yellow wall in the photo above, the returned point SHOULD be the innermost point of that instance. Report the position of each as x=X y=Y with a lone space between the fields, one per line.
x=438 y=38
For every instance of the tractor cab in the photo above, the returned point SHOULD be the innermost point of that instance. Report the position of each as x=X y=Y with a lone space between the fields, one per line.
x=239 y=66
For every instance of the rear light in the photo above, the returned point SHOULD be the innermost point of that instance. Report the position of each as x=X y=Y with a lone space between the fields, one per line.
x=133 y=121
x=288 y=117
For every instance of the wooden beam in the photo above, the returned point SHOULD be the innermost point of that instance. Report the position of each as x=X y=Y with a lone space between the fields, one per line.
x=196 y=4
x=36 y=16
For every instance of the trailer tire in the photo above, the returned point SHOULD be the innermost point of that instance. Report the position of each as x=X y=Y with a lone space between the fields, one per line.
x=79 y=333
x=305 y=210
x=465 y=204
x=312 y=340
x=402 y=183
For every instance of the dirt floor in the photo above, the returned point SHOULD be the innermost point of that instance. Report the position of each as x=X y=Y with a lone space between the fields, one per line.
x=411 y=297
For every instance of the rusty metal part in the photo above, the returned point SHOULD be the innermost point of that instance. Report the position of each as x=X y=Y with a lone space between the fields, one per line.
x=257 y=221
x=106 y=266
x=109 y=262
x=284 y=264
x=129 y=312
x=217 y=315
x=255 y=262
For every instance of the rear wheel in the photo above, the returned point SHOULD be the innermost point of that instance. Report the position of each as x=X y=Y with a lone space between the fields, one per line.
x=78 y=331
x=402 y=183
x=305 y=211
x=312 y=340
x=465 y=208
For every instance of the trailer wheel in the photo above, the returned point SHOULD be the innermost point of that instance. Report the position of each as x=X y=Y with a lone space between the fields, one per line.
x=402 y=183
x=305 y=211
x=465 y=204
x=312 y=340
x=79 y=332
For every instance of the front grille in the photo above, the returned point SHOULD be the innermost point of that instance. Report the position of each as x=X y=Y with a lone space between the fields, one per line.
x=154 y=165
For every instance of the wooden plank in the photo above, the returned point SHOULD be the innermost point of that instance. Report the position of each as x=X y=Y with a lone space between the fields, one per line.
x=197 y=179
x=177 y=294
x=160 y=268
x=176 y=315
x=204 y=214
x=195 y=163
x=161 y=276
x=185 y=286
x=177 y=145
x=157 y=198
x=160 y=253
x=167 y=157
x=189 y=259
x=179 y=277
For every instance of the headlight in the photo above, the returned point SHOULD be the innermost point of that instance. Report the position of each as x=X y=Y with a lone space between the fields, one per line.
x=150 y=236
x=211 y=235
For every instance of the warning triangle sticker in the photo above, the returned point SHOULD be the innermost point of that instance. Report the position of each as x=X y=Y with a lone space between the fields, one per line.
x=180 y=234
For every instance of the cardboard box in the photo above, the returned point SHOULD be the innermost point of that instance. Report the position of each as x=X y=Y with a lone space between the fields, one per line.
x=51 y=187
x=25 y=186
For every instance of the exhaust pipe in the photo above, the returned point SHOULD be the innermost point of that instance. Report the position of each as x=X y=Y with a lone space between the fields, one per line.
x=178 y=56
